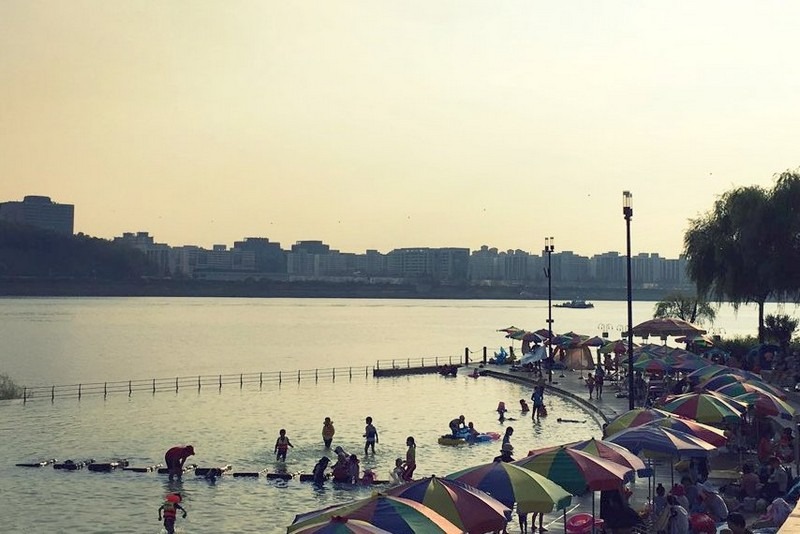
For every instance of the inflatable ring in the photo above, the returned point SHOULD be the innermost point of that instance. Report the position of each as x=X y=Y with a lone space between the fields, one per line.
x=580 y=523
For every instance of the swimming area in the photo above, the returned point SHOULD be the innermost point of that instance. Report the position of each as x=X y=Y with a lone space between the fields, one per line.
x=70 y=340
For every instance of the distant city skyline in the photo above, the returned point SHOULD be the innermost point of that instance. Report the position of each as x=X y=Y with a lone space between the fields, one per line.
x=380 y=125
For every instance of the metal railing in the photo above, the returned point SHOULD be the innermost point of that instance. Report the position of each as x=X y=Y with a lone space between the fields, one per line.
x=194 y=383
x=411 y=363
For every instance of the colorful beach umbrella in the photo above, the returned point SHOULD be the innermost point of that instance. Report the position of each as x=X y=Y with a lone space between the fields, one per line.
x=605 y=450
x=577 y=471
x=735 y=389
x=395 y=514
x=769 y=405
x=704 y=408
x=707 y=433
x=690 y=364
x=655 y=441
x=714 y=383
x=633 y=418
x=342 y=525
x=651 y=365
x=702 y=374
x=509 y=483
x=470 y=509
x=613 y=452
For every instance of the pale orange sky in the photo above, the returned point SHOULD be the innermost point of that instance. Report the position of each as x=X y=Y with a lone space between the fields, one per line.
x=377 y=125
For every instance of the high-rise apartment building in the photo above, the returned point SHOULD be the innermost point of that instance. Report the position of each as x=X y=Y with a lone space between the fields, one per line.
x=40 y=212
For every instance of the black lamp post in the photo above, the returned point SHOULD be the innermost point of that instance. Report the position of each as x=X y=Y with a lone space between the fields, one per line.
x=627 y=211
x=548 y=248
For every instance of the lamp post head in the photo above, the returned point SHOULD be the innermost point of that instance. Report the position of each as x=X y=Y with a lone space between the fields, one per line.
x=548 y=244
x=627 y=204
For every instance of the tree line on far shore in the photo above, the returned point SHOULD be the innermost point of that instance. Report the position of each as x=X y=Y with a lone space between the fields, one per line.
x=27 y=251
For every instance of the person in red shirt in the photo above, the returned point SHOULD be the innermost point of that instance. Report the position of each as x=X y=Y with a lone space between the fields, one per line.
x=175 y=458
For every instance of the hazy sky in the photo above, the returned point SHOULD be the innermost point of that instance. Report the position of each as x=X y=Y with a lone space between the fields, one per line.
x=377 y=124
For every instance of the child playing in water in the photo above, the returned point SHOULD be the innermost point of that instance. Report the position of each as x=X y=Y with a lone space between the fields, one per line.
x=327 y=432
x=319 y=470
x=371 y=435
x=524 y=406
x=282 y=445
x=169 y=510
x=411 y=458
x=398 y=471
x=353 y=469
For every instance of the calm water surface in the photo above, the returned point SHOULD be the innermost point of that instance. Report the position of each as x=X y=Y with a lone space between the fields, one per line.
x=81 y=340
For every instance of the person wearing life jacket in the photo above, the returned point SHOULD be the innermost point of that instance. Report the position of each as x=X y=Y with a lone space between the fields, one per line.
x=282 y=445
x=175 y=458
x=169 y=511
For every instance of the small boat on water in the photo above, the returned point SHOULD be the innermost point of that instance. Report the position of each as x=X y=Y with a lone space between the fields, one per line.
x=577 y=303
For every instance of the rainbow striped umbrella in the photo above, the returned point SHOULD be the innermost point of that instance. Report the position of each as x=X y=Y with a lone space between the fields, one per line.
x=605 y=450
x=704 y=408
x=654 y=441
x=651 y=365
x=689 y=363
x=577 y=471
x=714 y=383
x=468 y=508
x=395 y=514
x=707 y=433
x=769 y=405
x=613 y=452
x=509 y=483
x=342 y=525
x=735 y=389
x=704 y=373
x=633 y=418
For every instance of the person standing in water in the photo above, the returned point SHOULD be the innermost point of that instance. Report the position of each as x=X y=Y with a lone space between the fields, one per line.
x=327 y=432
x=175 y=458
x=169 y=511
x=411 y=458
x=371 y=435
x=282 y=445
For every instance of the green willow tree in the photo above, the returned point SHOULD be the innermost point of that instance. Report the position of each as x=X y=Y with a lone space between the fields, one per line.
x=746 y=248
x=726 y=254
x=687 y=307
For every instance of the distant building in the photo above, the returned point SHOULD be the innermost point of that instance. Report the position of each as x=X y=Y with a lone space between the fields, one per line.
x=269 y=257
x=40 y=212
x=157 y=254
x=443 y=264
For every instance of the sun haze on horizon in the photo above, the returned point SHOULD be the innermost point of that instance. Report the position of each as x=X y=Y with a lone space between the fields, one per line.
x=380 y=125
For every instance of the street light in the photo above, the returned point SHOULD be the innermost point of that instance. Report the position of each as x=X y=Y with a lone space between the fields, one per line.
x=627 y=211
x=548 y=248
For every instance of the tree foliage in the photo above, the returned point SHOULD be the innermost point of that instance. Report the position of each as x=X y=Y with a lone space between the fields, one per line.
x=8 y=389
x=26 y=251
x=780 y=328
x=687 y=307
x=745 y=249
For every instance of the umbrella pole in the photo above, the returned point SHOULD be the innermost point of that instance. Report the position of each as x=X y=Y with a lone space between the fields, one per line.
x=565 y=520
x=593 y=530
x=671 y=471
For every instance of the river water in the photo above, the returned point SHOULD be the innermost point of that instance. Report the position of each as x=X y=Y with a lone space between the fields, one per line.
x=61 y=341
